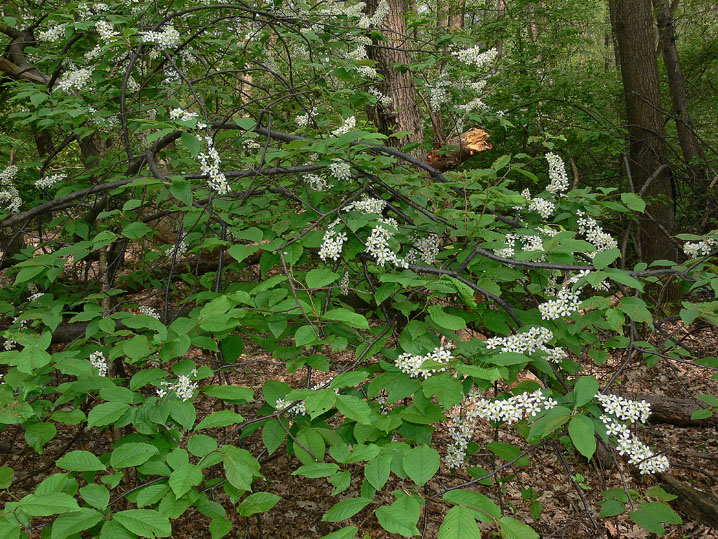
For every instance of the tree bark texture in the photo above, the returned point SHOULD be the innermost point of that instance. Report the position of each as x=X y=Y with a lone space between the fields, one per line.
x=641 y=88
x=401 y=86
x=691 y=148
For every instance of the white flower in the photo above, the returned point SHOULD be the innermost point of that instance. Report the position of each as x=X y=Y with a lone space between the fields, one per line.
x=367 y=205
x=341 y=170
x=595 y=235
x=564 y=305
x=700 y=248
x=76 y=79
x=209 y=165
x=477 y=58
x=424 y=249
x=543 y=207
x=48 y=181
x=344 y=284
x=9 y=195
x=94 y=53
x=98 y=360
x=303 y=120
x=412 y=365
x=377 y=245
x=184 y=115
x=349 y=124
x=557 y=174
x=298 y=407
x=54 y=33
x=332 y=243
x=106 y=30
x=149 y=311
x=316 y=182
x=166 y=39
x=383 y=100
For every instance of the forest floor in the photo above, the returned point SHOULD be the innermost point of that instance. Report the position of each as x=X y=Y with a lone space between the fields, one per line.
x=693 y=453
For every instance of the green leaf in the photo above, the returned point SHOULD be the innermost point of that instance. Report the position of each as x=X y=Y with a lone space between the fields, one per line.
x=582 y=433
x=259 y=502
x=513 y=529
x=459 y=523
x=482 y=508
x=319 y=278
x=345 y=509
x=221 y=418
x=181 y=190
x=184 y=478
x=636 y=309
x=354 y=408
x=377 y=471
x=421 y=463
x=604 y=258
x=446 y=320
x=273 y=435
x=136 y=230
x=38 y=434
x=144 y=522
x=43 y=505
x=347 y=532
x=219 y=527
x=508 y=453
x=703 y=413
x=200 y=445
x=6 y=475
x=400 y=517
x=662 y=512
x=240 y=467
x=552 y=420
x=317 y=469
x=305 y=335
x=633 y=201
x=80 y=461
x=611 y=508
x=106 y=413
x=658 y=492
x=648 y=521
x=132 y=454
x=69 y=524
x=240 y=252
x=320 y=401
x=585 y=389
x=231 y=394
x=344 y=315
x=192 y=144
x=96 y=495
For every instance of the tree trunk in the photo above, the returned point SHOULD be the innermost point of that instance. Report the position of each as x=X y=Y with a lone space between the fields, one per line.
x=691 y=148
x=456 y=14
x=401 y=86
x=639 y=70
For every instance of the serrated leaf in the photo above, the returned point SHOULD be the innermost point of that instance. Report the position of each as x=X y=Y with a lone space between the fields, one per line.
x=345 y=509
x=459 y=523
x=144 y=522
x=400 y=517
x=421 y=463
x=259 y=502
x=317 y=469
x=73 y=523
x=482 y=508
x=611 y=508
x=319 y=278
x=106 y=413
x=132 y=454
x=377 y=471
x=585 y=389
x=80 y=461
x=582 y=433
x=354 y=408
x=633 y=201
x=350 y=318
x=44 y=505
x=445 y=320
x=220 y=418
x=513 y=529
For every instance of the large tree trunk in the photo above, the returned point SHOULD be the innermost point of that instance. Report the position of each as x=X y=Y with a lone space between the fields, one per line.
x=639 y=69
x=691 y=148
x=401 y=86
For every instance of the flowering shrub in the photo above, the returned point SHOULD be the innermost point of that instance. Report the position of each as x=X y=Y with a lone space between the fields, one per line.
x=324 y=244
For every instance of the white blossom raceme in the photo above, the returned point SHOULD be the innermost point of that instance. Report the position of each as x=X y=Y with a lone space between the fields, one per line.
x=149 y=311
x=209 y=164
x=184 y=388
x=106 y=30
x=166 y=39
x=9 y=195
x=341 y=170
x=543 y=207
x=564 y=305
x=700 y=248
x=349 y=124
x=424 y=249
x=316 y=182
x=412 y=364
x=52 y=34
x=74 y=79
x=377 y=245
x=557 y=174
x=48 y=181
x=332 y=243
x=367 y=205
x=475 y=57
x=98 y=360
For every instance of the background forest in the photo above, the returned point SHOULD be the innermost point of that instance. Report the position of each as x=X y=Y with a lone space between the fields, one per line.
x=358 y=269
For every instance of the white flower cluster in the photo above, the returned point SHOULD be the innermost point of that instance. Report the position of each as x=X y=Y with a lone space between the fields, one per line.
x=529 y=243
x=382 y=10
x=74 y=79
x=595 y=235
x=543 y=207
x=166 y=39
x=377 y=245
x=462 y=428
x=184 y=388
x=209 y=164
x=359 y=54
x=298 y=408
x=700 y=248
x=52 y=34
x=303 y=120
x=477 y=58
x=424 y=249
x=316 y=182
x=86 y=10
x=344 y=284
x=383 y=100
x=412 y=365
x=528 y=342
x=638 y=453
x=149 y=311
x=94 y=54
x=557 y=174
x=9 y=195
x=349 y=124
x=438 y=93
x=179 y=250
x=98 y=360
x=474 y=104
x=181 y=114
x=367 y=205
x=625 y=409
x=332 y=243
x=36 y=296
x=48 y=181
x=341 y=170
x=567 y=302
x=106 y=30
